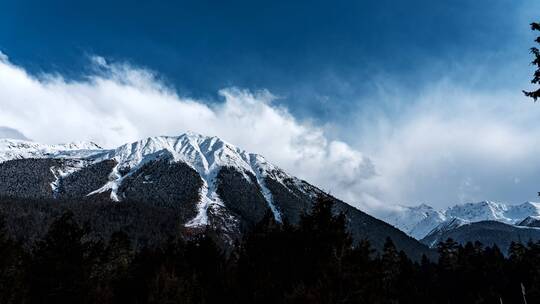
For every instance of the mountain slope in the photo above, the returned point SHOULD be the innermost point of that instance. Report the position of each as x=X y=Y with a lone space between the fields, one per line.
x=209 y=182
x=489 y=233
x=530 y=221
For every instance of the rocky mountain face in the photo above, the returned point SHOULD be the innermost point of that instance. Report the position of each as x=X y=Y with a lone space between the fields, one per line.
x=208 y=183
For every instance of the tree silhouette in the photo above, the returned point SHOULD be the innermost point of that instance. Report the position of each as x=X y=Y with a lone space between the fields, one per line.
x=61 y=268
x=313 y=262
x=12 y=260
x=536 y=62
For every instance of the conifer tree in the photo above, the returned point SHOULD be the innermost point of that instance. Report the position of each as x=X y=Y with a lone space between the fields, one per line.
x=536 y=62
x=448 y=254
x=12 y=259
x=61 y=264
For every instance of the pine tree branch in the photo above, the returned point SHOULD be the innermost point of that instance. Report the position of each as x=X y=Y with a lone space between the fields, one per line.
x=536 y=78
x=535 y=26
x=534 y=95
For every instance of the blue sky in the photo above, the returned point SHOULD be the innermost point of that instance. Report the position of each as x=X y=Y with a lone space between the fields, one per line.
x=323 y=57
x=364 y=73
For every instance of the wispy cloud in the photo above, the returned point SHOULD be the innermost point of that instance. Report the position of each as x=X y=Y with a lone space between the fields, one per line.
x=454 y=144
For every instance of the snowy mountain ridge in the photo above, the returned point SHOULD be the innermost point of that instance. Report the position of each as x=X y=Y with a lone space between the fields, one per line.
x=18 y=149
x=206 y=155
x=419 y=221
x=416 y=221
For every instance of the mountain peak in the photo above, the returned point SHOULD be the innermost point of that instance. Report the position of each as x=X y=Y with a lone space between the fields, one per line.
x=206 y=155
x=485 y=210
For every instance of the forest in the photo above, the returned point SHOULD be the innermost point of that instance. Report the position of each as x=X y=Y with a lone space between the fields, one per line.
x=313 y=262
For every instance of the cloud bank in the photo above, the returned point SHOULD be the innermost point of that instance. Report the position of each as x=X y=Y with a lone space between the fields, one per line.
x=447 y=145
x=454 y=144
x=119 y=103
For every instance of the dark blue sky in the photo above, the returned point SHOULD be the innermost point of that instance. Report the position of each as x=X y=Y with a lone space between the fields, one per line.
x=324 y=58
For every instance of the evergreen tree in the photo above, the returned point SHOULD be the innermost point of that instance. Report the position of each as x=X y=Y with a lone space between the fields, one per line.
x=61 y=265
x=448 y=254
x=390 y=270
x=12 y=261
x=326 y=231
x=536 y=62
x=111 y=277
x=516 y=251
x=360 y=280
x=389 y=263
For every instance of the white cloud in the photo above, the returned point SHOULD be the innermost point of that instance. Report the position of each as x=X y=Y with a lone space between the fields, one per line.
x=120 y=103
x=453 y=145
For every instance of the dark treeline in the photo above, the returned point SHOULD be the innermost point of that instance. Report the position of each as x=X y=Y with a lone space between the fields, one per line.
x=314 y=262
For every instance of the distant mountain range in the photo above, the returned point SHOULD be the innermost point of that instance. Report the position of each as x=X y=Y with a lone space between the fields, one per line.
x=488 y=222
x=209 y=182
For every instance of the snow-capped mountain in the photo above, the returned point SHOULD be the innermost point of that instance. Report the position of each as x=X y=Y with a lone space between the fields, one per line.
x=482 y=211
x=206 y=155
x=419 y=221
x=210 y=183
x=18 y=149
x=416 y=221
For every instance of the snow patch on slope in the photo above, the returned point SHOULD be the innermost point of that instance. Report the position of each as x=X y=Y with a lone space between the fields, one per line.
x=112 y=185
x=261 y=168
x=67 y=168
